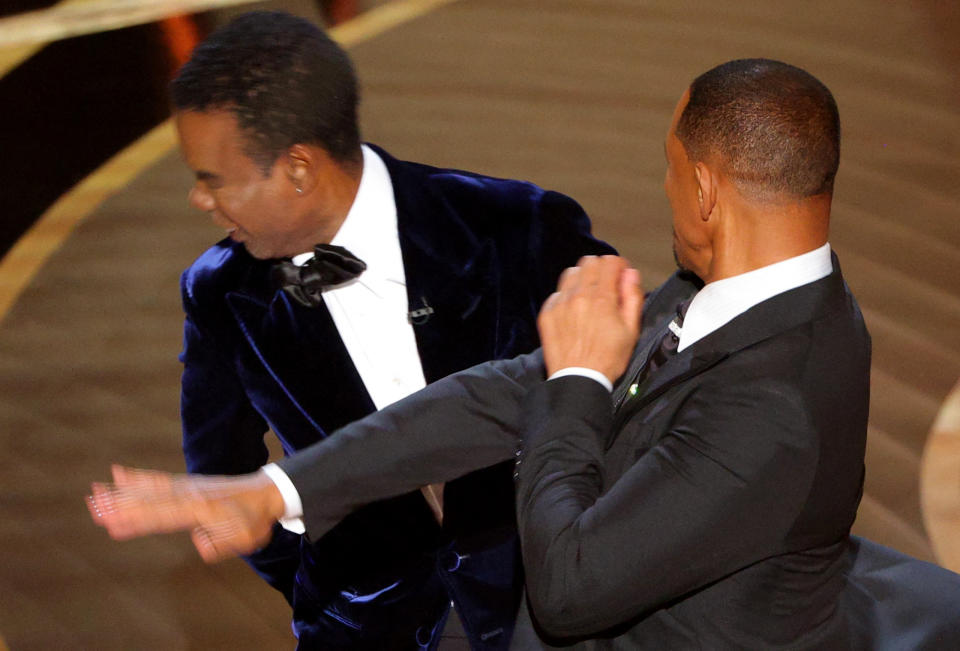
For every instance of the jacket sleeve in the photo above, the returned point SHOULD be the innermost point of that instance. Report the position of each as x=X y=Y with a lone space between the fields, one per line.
x=716 y=493
x=461 y=423
x=223 y=435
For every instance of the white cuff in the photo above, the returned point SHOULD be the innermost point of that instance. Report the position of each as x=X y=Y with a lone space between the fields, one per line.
x=583 y=372
x=292 y=519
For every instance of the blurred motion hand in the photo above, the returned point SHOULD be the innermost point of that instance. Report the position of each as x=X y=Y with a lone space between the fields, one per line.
x=226 y=516
x=593 y=319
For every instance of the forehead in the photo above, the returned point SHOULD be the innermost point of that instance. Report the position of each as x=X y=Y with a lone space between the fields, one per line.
x=209 y=138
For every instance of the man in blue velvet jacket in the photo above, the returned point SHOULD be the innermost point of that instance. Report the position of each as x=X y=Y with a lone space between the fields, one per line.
x=456 y=267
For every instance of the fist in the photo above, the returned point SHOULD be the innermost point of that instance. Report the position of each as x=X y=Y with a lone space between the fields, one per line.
x=593 y=318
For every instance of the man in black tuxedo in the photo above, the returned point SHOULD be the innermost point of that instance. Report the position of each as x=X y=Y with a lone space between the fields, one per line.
x=266 y=112
x=687 y=479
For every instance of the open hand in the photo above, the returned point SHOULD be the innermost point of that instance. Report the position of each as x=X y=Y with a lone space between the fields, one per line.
x=226 y=516
x=593 y=318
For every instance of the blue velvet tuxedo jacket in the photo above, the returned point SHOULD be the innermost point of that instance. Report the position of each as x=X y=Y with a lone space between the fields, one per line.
x=483 y=253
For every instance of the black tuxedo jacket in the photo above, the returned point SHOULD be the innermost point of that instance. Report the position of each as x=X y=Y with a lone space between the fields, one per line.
x=483 y=253
x=711 y=511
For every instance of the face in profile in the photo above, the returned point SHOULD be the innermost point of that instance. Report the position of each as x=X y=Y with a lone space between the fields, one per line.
x=255 y=208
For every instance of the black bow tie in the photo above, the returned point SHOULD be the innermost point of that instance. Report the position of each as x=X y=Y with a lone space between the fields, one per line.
x=330 y=266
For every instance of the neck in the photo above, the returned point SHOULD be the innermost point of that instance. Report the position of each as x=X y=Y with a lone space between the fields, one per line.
x=332 y=199
x=751 y=236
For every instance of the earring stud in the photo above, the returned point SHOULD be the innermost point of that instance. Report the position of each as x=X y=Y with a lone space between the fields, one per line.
x=299 y=190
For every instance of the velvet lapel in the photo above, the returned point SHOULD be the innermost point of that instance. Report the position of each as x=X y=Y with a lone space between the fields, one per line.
x=302 y=352
x=449 y=271
x=767 y=319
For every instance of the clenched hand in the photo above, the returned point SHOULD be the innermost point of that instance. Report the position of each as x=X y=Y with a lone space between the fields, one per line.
x=593 y=319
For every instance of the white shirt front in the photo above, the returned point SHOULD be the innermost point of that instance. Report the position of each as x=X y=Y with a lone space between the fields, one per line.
x=370 y=311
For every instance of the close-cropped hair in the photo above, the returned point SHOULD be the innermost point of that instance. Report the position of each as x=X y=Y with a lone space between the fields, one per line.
x=773 y=128
x=284 y=80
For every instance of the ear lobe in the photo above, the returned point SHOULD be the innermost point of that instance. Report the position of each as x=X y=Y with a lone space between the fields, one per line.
x=300 y=162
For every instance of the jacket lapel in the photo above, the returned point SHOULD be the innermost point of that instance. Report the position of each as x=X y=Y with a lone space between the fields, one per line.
x=302 y=352
x=764 y=320
x=452 y=277
x=659 y=308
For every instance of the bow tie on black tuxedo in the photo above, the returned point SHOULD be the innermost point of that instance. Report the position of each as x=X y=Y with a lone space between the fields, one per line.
x=330 y=266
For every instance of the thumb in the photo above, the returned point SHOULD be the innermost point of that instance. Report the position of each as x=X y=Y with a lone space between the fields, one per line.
x=631 y=299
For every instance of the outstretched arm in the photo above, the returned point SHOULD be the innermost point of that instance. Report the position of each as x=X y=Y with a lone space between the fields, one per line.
x=462 y=423
x=467 y=421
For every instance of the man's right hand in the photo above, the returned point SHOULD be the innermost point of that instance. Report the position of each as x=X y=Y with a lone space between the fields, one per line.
x=593 y=319
x=226 y=516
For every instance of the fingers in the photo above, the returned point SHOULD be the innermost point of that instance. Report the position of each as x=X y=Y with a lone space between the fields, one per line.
x=103 y=506
x=96 y=506
x=592 y=272
x=606 y=272
x=141 y=502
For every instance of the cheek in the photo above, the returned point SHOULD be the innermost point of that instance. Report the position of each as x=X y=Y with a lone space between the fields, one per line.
x=247 y=207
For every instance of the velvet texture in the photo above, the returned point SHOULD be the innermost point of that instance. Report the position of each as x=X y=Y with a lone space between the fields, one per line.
x=483 y=253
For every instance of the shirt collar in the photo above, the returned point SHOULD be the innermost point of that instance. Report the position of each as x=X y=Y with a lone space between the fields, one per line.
x=369 y=230
x=721 y=301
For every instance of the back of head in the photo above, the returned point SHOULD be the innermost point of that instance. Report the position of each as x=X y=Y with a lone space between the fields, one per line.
x=284 y=80
x=772 y=128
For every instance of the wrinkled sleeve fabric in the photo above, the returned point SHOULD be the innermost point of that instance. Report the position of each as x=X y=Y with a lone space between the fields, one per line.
x=223 y=435
x=713 y=495
x=464 y=422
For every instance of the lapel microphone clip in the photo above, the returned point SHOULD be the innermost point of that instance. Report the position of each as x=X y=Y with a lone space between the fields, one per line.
x=420 y=315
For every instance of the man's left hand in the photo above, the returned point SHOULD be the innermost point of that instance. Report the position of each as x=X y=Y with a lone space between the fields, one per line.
x=593 y=319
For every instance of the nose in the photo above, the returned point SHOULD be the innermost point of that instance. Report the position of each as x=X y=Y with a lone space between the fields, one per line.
x=201 y=199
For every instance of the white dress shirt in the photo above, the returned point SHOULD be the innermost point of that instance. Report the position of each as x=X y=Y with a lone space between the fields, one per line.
x=370 y=311
x=721 y=301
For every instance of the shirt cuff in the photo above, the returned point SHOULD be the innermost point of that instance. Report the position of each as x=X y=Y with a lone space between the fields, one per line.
x=583 y=372
x=292 y=519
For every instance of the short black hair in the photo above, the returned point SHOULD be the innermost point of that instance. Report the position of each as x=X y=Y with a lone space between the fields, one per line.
x=284 y=80
x=772 y=127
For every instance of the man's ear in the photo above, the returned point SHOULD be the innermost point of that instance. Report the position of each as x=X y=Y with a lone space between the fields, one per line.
x=706 y=190
x=301 y=168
